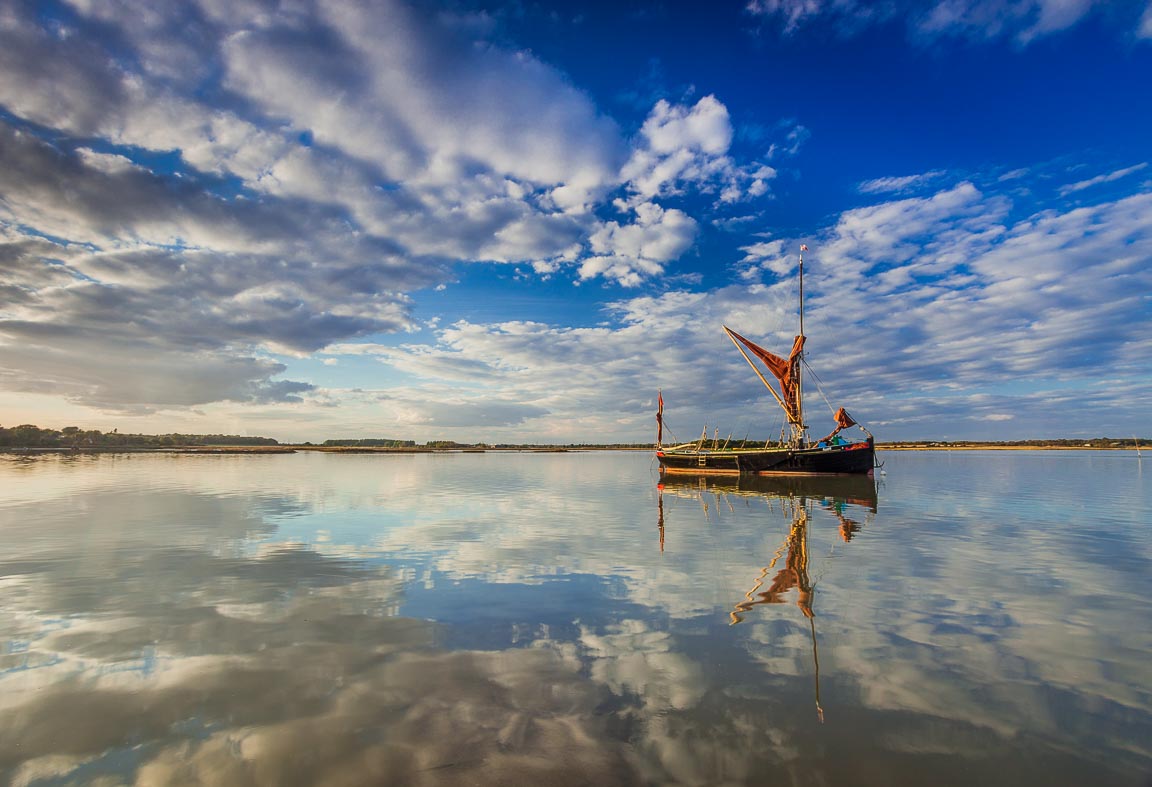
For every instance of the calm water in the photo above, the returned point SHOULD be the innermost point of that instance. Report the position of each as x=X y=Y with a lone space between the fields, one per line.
x=972 y=618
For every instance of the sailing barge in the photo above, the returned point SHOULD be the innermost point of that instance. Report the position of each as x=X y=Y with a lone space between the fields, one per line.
x=795 y=453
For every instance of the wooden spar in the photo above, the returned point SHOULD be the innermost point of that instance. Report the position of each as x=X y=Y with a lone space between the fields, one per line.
x=763 y=379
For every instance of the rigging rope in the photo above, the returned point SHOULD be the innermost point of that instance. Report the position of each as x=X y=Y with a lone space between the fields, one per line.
x=820 y=388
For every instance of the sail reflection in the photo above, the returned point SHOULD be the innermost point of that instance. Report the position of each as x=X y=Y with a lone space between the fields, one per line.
x=795 y=498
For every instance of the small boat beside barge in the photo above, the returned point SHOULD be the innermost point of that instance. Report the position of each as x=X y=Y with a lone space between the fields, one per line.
x=795 y=453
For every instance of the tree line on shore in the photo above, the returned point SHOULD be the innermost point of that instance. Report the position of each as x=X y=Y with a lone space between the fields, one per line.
x=31 y=436
x=1056 y=442
x=370 y=442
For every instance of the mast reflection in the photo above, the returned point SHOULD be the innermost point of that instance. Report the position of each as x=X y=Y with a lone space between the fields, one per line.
x=797 y=497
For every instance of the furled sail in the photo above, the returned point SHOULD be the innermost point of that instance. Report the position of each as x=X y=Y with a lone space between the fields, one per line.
x=843 y=421
x=786 y=370
x=660 y=418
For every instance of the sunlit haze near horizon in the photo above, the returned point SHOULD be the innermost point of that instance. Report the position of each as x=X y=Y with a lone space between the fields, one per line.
x=515 y=222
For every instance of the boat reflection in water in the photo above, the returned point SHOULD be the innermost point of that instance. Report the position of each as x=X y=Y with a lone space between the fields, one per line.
x=844 y=497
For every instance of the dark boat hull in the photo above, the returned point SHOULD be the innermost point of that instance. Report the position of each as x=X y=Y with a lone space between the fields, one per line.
x=851 y=459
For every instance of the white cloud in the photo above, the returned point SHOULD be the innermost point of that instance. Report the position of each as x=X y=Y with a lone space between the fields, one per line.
x=794 y=13
x=359 y=348
x=110 y=163
x=681 y=146
x=1022 y=20
x=770 y=255
x=1106 y=178
x=795 y=138
x=631 y=252
x=704 y=127
x=897 y=185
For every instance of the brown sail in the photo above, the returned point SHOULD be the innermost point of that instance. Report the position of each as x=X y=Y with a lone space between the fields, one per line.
x=786 y=370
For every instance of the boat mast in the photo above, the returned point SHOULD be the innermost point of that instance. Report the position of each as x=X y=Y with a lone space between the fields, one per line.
x=798 y=428
x=803 y=249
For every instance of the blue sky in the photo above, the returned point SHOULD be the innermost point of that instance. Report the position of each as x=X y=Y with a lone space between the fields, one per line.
x=517 y=221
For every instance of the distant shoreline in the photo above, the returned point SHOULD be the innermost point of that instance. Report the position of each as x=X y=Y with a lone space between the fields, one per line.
x=29 y=438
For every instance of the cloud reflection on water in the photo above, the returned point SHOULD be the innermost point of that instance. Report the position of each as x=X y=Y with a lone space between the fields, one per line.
x=205 y=631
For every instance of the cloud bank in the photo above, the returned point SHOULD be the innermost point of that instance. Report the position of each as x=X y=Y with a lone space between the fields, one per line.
x=190 y=191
